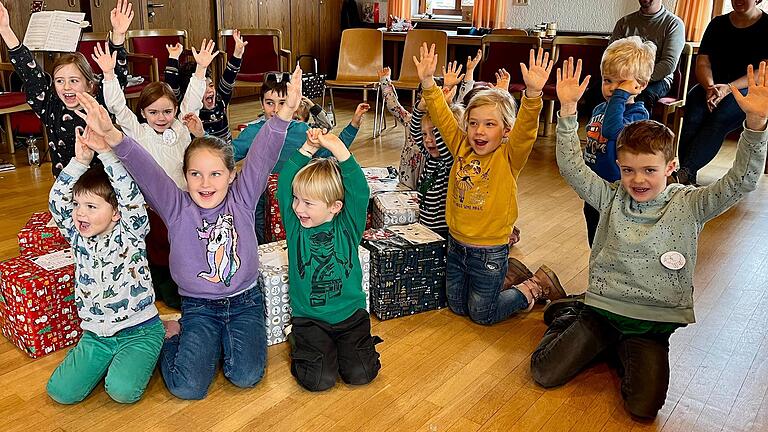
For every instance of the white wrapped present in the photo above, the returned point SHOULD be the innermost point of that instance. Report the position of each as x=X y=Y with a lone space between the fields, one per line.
x=395 y=208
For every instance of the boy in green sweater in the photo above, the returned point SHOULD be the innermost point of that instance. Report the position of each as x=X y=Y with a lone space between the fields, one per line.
x=323 y=204
x=641 y=265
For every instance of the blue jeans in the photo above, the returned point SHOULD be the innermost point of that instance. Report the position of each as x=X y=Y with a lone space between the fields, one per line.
x=474 y=280
x=232 y=326
x=703 y=131
x=655 y=91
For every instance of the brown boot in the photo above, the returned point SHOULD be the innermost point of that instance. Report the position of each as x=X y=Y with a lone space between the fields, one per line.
x=517 y=272
x=550 y=284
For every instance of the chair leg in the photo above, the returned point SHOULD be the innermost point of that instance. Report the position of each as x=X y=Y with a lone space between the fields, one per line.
x=333 y=107
x=548 y=117
x=9 y=134
x=377 y=120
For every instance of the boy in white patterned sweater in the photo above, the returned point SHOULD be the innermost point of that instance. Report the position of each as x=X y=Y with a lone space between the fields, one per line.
x=100 y=211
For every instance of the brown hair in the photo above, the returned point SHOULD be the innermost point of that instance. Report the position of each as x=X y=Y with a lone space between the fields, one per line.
x=81 y=64
x=320 y=179
x=216 y=144
x=271 y=84
x=302 y=112
x=95 y=181
x=154 y=91
x=647 y=137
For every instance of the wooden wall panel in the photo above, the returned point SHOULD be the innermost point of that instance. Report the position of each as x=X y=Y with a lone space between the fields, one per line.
x=276 y=14
x=305 y=28
x=238 y=14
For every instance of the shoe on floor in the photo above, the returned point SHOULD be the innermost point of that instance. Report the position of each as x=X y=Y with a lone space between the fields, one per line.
x=517 y=272
x=558 y=307
x=550 y=284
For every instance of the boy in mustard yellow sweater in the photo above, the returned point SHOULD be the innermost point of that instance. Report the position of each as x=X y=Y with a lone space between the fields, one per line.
x=481 y=207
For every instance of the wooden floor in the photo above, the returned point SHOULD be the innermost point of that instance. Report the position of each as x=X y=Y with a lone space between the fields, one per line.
x=440 y=372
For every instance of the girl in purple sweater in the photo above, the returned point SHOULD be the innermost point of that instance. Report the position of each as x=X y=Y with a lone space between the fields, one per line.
x=214 y=254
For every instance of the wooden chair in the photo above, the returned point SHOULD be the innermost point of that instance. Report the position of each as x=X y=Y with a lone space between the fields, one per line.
x=587 y=48
x=265 y=53
x=674 y=102
x=152 y=43
x=506 y=51
x=509 y=31
x=88 y=42
x=361 y=56
x=13 y=106
x=409 y=78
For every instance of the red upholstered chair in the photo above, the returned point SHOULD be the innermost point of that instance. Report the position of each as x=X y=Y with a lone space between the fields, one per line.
x=89 y=40
x=18 y=115
x=672 y=104
x=506 y=51
x=263 y=54
x=587 y=48
x=152 y=43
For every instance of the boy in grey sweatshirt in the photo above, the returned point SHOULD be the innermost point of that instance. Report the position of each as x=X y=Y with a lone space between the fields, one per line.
x=641 y=265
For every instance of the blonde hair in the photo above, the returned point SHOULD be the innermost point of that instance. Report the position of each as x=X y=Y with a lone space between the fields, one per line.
x=458 y=113
x=629 y=57
x=320 y=179
x=500 y=99
x=302 y=112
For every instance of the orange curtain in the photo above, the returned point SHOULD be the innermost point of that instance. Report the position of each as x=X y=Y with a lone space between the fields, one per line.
x=490 y=13
x=696 y=14
x=400 y=8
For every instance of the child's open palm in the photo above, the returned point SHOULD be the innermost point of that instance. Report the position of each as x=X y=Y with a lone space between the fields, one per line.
x=293 y=98
x=473 y=62
x=502 y=79
x=384 y=73
x=452 y=76
x=94 y=142
x=121 y=16
x=174 y=51
x=95 y=116
x=569 y=90
x=104 y=58
x=755 y=103
x=5 y=19
x=240 y=44
x=83 y=152
x=206 y=54
x=537 y=72
x=426 y=64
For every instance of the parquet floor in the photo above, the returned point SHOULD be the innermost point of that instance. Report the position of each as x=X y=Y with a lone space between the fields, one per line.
x=441 y=372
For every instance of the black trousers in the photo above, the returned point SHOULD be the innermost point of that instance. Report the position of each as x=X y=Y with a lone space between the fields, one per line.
x=580 y=335
x=592 y=217
x=320 y=352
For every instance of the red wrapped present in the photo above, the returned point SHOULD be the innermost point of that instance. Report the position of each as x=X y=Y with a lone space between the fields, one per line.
x=38 y=302
x=41 y=236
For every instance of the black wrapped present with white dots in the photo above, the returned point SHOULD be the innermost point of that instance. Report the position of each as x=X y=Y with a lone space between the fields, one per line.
x=407 y=270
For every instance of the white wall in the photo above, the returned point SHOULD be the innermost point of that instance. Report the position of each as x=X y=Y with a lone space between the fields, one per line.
x=577 y=15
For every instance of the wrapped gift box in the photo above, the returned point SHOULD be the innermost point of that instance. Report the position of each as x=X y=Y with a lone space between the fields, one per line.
x=273 y=222
x=395 y=208
x=407 y=270
x=273 y=267
x=38 y=302
x=383 y=179
x=40 y=236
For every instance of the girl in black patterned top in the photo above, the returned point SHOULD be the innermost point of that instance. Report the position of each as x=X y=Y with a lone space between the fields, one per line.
x=53 y=99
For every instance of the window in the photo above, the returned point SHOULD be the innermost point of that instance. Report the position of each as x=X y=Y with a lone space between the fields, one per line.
x=443 y=7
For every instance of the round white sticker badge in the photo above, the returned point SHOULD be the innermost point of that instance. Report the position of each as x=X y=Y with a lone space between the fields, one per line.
x=673 y=260
x=169 y=136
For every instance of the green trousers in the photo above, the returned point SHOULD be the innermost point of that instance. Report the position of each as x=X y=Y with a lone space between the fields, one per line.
x=125 y=360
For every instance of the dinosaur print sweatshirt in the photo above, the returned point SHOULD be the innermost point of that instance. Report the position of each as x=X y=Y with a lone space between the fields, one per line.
x=113 y=287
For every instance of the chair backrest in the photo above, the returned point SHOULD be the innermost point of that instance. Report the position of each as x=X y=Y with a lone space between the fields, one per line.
x=506 y=51
x=153 y=42
x=88 y=42
x=413 y=41
x=509 y=31
x=682 y=74
x=589 y=49
x=361 y=55
x=263 y=51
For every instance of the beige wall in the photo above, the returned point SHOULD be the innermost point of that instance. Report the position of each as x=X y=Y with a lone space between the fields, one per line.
x=578 y=15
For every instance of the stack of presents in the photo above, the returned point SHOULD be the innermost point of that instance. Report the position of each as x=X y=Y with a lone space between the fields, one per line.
x=37 y=297
x=403 y=261
x=403 y=266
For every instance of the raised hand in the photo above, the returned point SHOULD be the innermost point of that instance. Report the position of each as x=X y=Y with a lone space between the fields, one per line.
x=205 y=56
x=502 y=79
x=174 y=51
x=472 y=63
x=105 y=59
x=293 y=96
x=536 y=73
x=313 y=137
x=95 y=142
x=448 y=94
x=755 y=103
x=426 y=65
x=569 y=90
x=452 y=76
x=239 y=44
x=97 y=119
x=360 y=111
x=194 y=124
x=120 y=17
x=83 y=153
x=5 y=28
x=5 y=19
x=384 y=73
